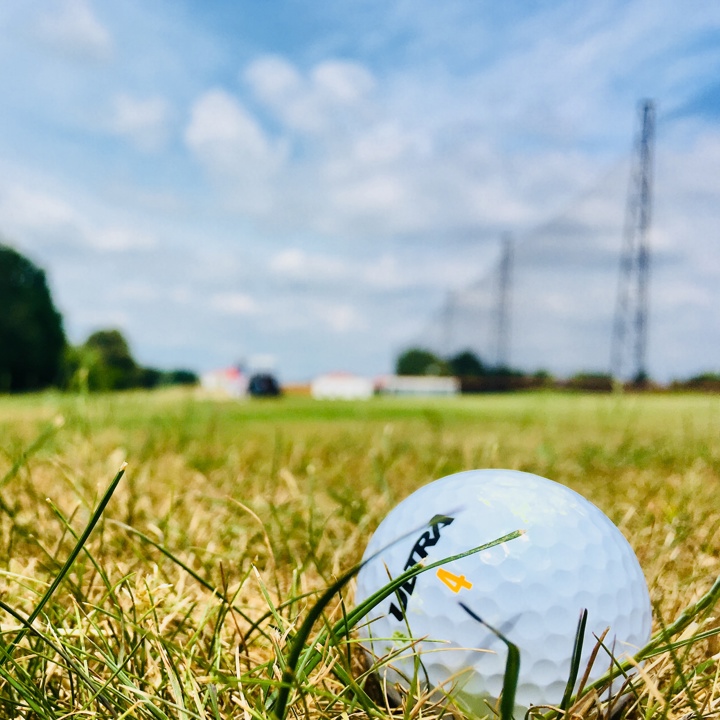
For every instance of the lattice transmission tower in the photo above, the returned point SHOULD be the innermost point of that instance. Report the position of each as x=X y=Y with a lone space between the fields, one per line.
x=502 y=312
x=448 y=323
x=630 y=326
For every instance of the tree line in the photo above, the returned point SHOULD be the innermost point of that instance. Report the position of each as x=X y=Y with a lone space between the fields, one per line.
x=35 y=352
x=477 y=376
x=468 y=367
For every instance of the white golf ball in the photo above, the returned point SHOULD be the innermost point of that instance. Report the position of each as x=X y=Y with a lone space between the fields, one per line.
x=531 y=588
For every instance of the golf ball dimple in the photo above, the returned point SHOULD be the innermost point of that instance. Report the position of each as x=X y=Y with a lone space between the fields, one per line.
x=532 y=588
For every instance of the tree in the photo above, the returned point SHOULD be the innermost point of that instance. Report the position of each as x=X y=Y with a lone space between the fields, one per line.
x=110 y=364
x=467 y=364
x=104 y=362
x=417 y=361
x=181 y=376
x=32 y=340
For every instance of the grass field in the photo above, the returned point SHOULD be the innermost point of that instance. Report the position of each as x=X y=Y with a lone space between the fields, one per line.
x=187 y=599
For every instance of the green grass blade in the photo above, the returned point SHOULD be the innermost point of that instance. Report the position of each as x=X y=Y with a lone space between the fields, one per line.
x=661 y=649
x=512 y=668
x=23 y=684
x=706 y=603
x=310 y=659
x=69 y=562
x=575 y=660
x=211 y=693
x=175 y=559
x=269 y=613
x=680 y=673
x=660 y=642
x=44 y=436
x=60 y=651
x=36 y=444
x=362 y=609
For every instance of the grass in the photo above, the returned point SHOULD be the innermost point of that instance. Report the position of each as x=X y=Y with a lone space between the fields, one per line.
x=217 y=580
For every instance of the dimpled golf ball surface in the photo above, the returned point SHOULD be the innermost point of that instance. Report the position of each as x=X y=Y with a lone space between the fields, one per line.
x=531 y=588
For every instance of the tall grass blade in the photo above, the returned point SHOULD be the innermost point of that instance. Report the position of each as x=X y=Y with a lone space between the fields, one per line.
x=512 y=668
x=60 y=651
x=575 y=660
x=660 y=642
x=363 y=608
x=705 y=604
x=41 y=439
x=23 y=684
x=175 y=559
x=68 y=563
x=591 y=661
x=34 y=446
x=291 y=674
x=269 y=613
x=679 y=672
x=211 y=693
x=661 y=649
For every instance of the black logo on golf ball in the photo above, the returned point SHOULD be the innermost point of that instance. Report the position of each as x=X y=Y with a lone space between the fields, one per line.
x=419 y=552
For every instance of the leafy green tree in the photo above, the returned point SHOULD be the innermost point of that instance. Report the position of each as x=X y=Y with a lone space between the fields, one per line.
x=591 y=382
x=109 y=361
x=467 y=364
x=153 y=378
x=417 y=361
x=32 y=340
x=104 y=362
x=181 y=376
x=149 y=378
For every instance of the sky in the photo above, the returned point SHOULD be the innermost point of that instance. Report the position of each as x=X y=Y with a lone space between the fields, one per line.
x=305 y=185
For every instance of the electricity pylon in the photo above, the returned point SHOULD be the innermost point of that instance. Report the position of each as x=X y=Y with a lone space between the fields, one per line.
x=631 y=309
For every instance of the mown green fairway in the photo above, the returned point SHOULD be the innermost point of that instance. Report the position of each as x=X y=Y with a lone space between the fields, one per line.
x=232 y=517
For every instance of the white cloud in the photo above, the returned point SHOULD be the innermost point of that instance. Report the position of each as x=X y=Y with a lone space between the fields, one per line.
x=143 y=121
x=339 y=83
x=226 y=137
x=49 y=220
x=234 y=303
x=363 y=168
x=74 y=30
x=297 y=264
x=235 y=150
x=118 y=239
x=386 y=272
x=273 y=78
x=340 y=318
x=139 y=291
x=309 y=103
x=33 y=210
x=91 y=318
x=379 y=194
x=387 y=142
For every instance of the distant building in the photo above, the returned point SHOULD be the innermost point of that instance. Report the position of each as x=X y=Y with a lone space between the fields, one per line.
x=419 y=385
x=263 y=385
x=228 y=382
x=341 y=386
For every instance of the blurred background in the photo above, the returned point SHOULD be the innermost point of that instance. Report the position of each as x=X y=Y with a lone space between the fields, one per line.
x=326 y=185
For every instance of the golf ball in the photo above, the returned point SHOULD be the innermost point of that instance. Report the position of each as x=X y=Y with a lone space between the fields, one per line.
x=531 y=589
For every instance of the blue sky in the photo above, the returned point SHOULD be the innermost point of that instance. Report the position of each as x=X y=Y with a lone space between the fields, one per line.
x=310 y=180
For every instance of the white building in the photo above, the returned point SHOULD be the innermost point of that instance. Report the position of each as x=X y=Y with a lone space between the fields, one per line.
x=419 y=385
x=228 y=382
x=341 y=386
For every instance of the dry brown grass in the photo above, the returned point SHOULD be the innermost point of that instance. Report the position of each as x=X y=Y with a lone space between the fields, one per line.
x=232 y=514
